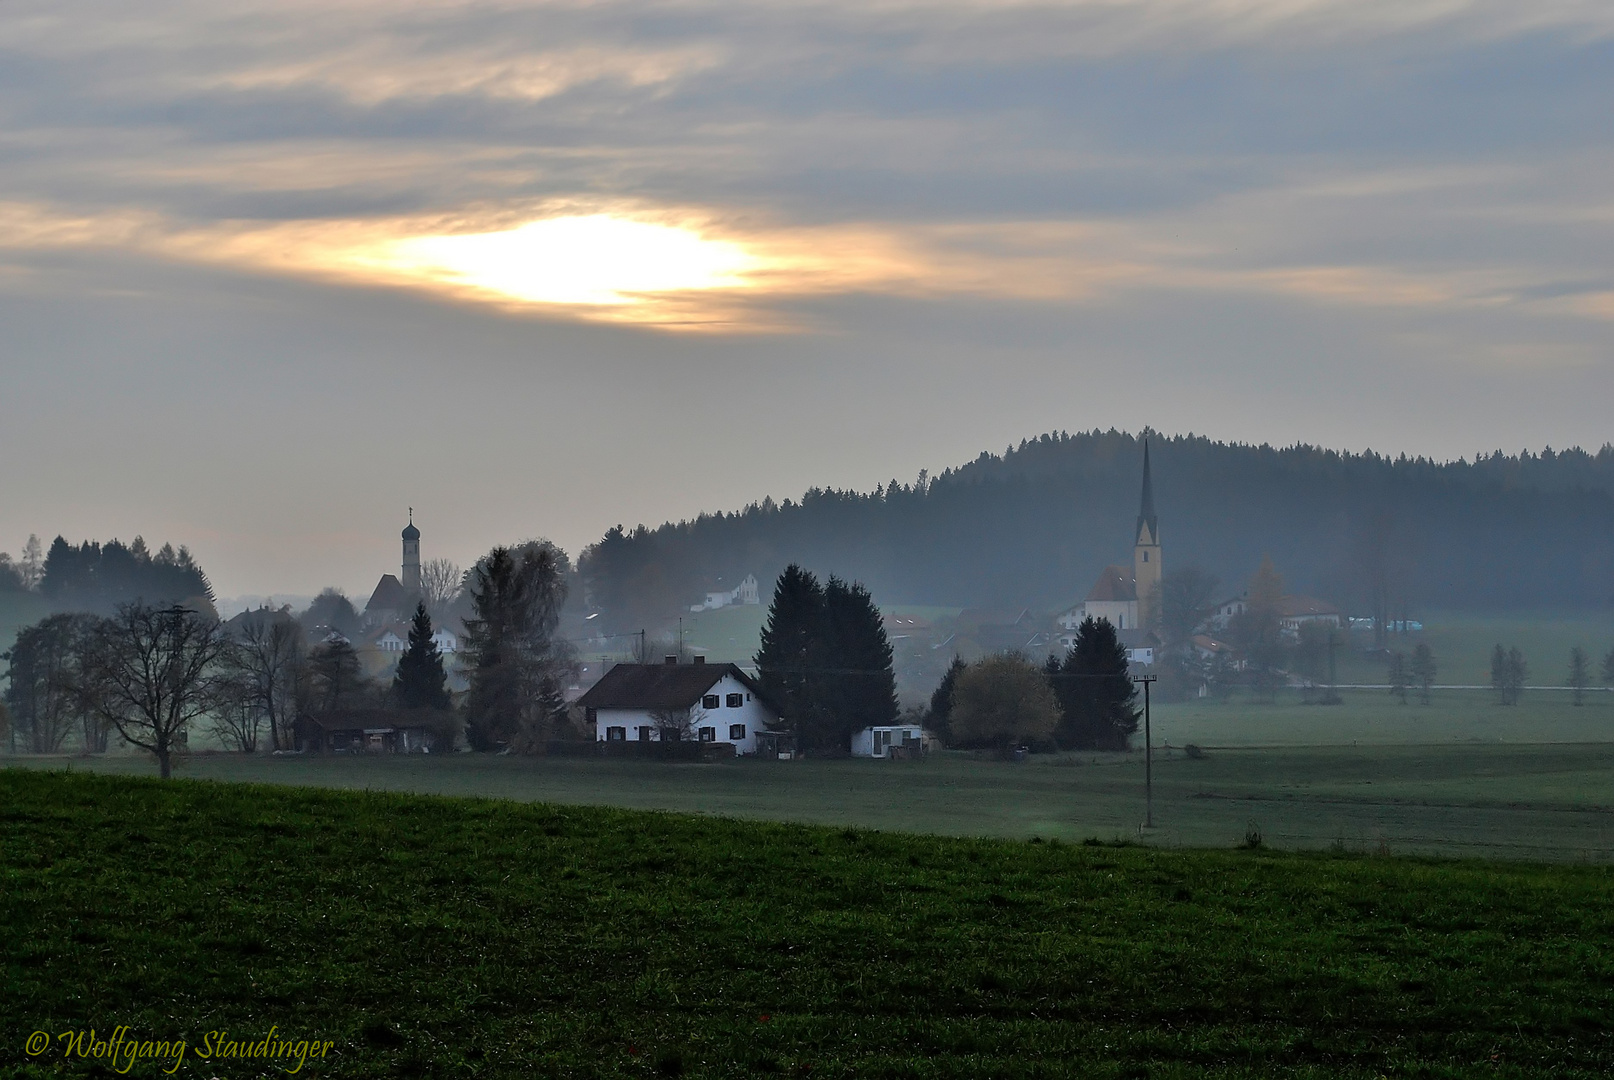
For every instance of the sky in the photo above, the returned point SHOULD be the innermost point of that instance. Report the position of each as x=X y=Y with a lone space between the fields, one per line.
x=271 y=274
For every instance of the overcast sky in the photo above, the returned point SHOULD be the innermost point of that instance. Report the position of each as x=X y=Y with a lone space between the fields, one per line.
x=271 y=273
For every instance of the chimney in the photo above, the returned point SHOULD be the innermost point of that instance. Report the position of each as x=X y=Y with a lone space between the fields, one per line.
x=670 y=659
x=700 y=659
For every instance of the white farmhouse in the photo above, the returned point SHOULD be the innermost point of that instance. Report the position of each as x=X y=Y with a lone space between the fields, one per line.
x=673 y=701
x=744 y=593
x=395 y=639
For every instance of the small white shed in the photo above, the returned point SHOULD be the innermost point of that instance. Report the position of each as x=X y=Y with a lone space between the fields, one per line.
x=878 y=741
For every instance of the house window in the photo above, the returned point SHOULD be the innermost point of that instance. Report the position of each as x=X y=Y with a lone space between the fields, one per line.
x=644 y=733
x=1145 y=556
x=736 y=733
x=708 y=734
x=735 y=700
x=709 y=701
x=616 y=734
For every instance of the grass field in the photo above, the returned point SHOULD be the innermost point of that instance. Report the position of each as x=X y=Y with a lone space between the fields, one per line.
x=424 y=937
x=1498 y=800
x=1462 y=644
x=1374 y=716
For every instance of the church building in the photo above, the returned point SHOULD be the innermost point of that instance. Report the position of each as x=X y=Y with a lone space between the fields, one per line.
x=1128 y=597
x=393 y=599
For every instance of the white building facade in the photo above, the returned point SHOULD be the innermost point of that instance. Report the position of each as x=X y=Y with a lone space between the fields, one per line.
x=716 y=703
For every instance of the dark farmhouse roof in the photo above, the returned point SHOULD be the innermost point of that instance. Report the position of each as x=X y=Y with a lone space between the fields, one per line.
x=372 y=719
x=1115 y=583
x=662 y=686
x=389 y=595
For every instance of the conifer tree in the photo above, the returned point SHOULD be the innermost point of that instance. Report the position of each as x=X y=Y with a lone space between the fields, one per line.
x=516 y=595
x=859 y=684
x=1423 y=670
x=1579 y=672
x=421 y=681
x=941 y=701
x=1097 y=699
x=1518 y=672
x=1400 y=677
x=792 y=647
x=338 y=677
x=826 y=660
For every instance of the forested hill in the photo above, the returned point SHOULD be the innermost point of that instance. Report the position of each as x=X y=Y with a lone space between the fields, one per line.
x=1035 y=525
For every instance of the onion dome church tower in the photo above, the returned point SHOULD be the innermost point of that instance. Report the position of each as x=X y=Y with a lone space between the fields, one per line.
x=1146 y=551
x=411 y=552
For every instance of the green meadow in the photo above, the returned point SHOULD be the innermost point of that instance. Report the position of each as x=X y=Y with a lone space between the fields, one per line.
x=1484 y=799
x=434 y=937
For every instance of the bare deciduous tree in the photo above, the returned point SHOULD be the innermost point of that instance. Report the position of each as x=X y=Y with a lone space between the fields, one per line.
x=152 y=673
x=266 y=671
x=441 y=585
x=678 y=725
x=43 y=681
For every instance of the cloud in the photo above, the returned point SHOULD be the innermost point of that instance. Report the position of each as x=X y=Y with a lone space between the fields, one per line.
x=985 y=208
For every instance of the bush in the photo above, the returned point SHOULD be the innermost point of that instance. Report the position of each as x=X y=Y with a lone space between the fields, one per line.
x=1003 y=701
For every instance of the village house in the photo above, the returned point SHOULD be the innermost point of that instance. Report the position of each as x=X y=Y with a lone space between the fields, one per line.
x=395 y=639
x=1295 y=611
x=744 y=593
x=711 y=703
x=374 y=731
x=1292 y=611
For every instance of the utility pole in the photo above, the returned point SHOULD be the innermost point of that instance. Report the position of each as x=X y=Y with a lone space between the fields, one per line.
x=1333 y=677
x=1148 y=755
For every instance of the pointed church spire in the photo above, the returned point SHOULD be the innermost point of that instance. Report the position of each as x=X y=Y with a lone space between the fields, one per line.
x=1146 y=515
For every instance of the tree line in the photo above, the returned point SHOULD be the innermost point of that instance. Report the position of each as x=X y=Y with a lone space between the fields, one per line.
x=825 y=662
x=92 y=576
x=1030 y=527
x=1083 y=700
x=154 y=675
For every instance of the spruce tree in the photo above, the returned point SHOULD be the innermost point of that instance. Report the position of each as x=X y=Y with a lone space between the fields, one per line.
x=792 y=649
x=1518 y=672
x=338 y=677
x=1400 y=677
x=1423 y=670
x=1097 y=699
x=859 y=685
x=421 y=681
x=516 y=596
x=941 y=701
x=1579 y=672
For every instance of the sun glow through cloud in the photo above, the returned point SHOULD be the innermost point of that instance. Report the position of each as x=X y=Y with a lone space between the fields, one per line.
x=594 y=259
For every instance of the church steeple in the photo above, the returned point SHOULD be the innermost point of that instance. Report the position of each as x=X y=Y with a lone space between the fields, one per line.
x=411 y=555
x=1146 y=551
x=1146 y=514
